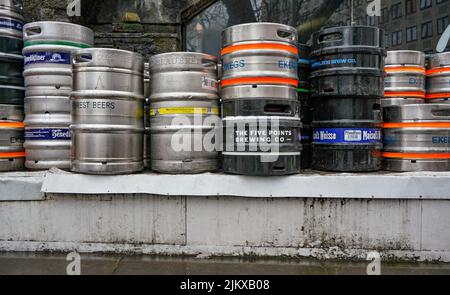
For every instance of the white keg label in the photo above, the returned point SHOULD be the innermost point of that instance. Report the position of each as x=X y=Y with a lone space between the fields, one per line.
x=353 y=135
x=210 y=84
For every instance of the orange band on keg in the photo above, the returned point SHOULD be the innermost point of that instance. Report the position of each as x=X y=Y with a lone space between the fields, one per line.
x=12 y=125
x=405 y=94
x=416 y=155
x=261 y=46
x=438 y=71
x=417 y=125
x=260 y=80
x=12 y=155
x=405 y=69
x=438 y=95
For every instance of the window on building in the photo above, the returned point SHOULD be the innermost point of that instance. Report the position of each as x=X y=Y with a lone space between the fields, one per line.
x=384 y=16
x=396 y=10
x=427 y=30
x=424 y=4
x=397 y=38
x=410 y=6
x=411 y=34
x=442 y=24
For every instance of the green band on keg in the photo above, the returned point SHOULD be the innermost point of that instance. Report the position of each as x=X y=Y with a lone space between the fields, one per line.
x=63 y=43
x=302 y=90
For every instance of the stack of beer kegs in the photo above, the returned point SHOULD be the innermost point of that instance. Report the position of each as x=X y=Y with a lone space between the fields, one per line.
x=147 y=156
x=304 y=95
x=184 y=113
x=260 y=106
x=48 y=52
x=438 y=78
x=405 y=78
x=12 y=154
x=347 y=78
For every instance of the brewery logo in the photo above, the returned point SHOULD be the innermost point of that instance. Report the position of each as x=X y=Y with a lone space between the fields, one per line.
x=48 y=134
x=47 y=57
x=11 y=24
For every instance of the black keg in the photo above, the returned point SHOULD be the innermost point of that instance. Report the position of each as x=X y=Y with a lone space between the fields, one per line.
x=304 y=96
x=347 y=78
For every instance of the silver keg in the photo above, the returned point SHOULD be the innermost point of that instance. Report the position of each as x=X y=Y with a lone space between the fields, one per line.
x=12 y=154
x=417 y=137
x=107 y=111
x=405 y=78
x=11 y=60
x=438 y=78
x=48 y=53
x=184 y=112
x=256 y=55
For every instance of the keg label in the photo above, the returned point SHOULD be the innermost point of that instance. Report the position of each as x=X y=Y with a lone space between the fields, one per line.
x=184 y=111
x=210 y=84
x=347 y=135
x=11 y=24
x=327 y=62
x=48 y=134
x=47 y=57
x=263 y=136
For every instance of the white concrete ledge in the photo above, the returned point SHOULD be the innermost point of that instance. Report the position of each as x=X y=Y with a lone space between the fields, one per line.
x=309 y=185
x=21 y=186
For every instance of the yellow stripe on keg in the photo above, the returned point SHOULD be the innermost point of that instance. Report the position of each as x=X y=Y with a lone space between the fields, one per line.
x=184 y=111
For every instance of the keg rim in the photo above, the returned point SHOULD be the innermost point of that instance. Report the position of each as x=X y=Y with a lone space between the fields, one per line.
x=86 y=34
x=411 y=112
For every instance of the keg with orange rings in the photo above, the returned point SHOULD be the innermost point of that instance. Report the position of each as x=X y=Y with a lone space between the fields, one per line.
x=438 y=78
x=416 y=137
x=12 y=154
x=405 y=78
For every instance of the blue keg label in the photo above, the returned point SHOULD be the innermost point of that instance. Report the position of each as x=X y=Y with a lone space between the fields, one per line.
x=48 y=57
x=11 y=24
x=327 y=62
x=347 y=135
x=48 y=134
x=304 y=61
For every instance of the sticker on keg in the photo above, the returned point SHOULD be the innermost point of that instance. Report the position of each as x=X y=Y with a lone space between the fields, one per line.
x=48 y=134
x=264 y=136
x=347 y=135
x=11 y=24
x=47 y=57
x=184 y=111
x=209 y=84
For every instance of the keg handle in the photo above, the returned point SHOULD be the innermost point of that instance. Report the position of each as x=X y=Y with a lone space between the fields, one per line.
x=209 y=64
x=330 y=37
x=287 y=35
x=32 y=32
x=441 y=113
x=82 y=57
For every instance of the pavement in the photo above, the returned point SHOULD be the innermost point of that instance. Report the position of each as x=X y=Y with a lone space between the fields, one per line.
x=93 y=264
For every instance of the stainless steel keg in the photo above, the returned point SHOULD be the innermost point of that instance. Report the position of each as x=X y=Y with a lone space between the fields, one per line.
x=12 y=154
x=417 y=137
x=438 y=78
x=11 y=60
x=405 y=77
x=48 y=53
x=107 y=111
x=259 y=55
x=184 y=112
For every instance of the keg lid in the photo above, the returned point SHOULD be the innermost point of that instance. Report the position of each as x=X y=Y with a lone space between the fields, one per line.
x=109 y=57
x=259 y=32
x=416 y=113
x=183 y=61
x=405 y=57
x=439 y=60
x=348 y=39
x=57 y=33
